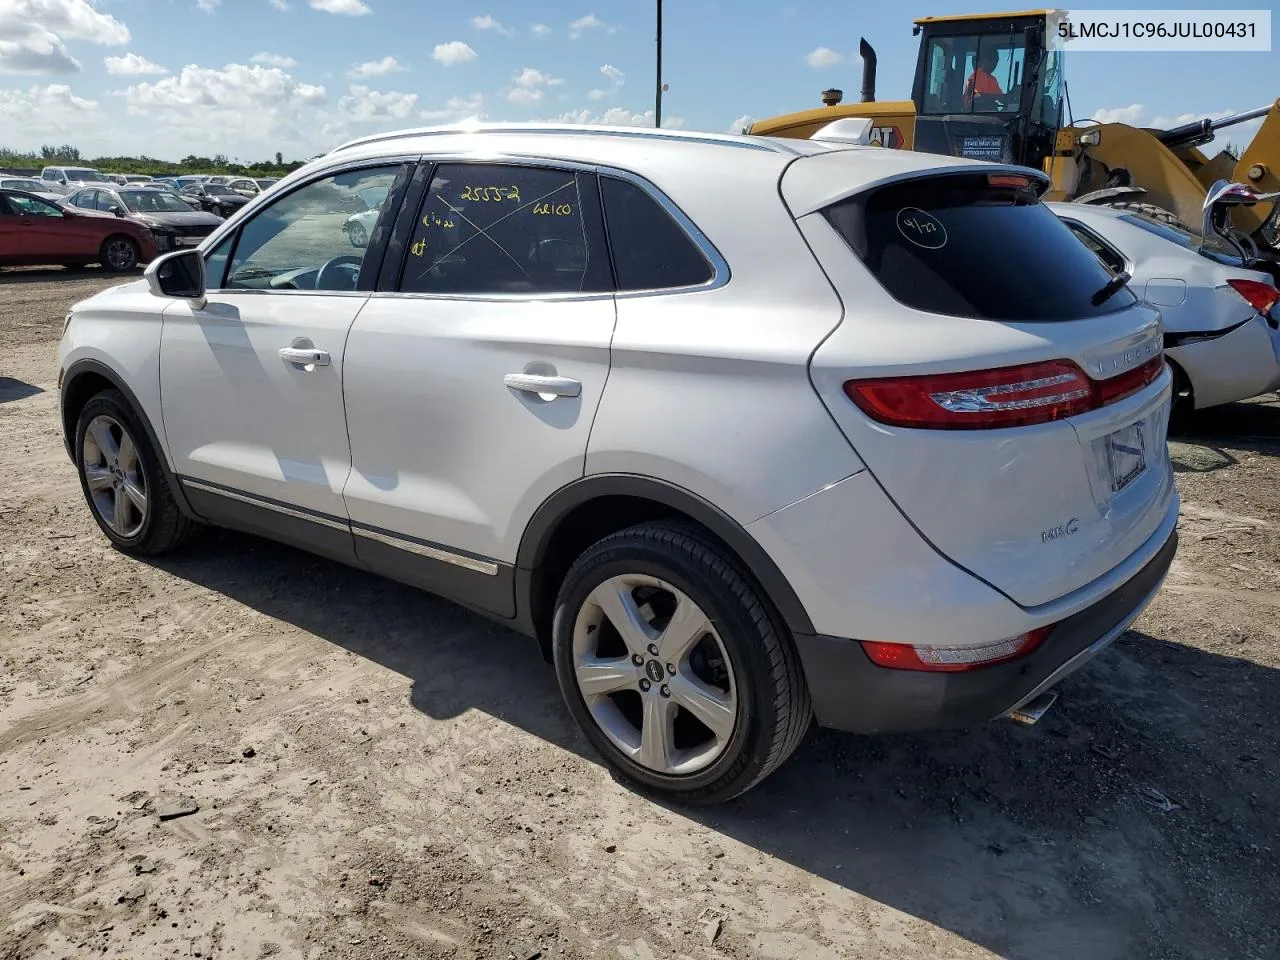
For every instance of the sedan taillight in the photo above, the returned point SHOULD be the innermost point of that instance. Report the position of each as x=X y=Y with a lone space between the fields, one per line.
x=1002 y=397
x=1261 y=296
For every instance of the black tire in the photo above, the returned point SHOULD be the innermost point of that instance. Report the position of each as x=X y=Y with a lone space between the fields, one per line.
x=164 y=527
x=1184 y=400
x=1150 y=211
x=119 y=253
x=773 y=710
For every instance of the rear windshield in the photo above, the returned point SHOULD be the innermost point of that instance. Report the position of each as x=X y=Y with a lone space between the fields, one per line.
x=1213 y=248
x=958 y=245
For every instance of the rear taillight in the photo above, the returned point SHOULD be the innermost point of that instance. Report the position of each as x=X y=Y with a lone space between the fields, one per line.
x=901 y=656
x=1261 y=296
x=1003 y=397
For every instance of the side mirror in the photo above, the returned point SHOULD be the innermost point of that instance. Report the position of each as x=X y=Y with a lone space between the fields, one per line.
x=179 y=274
x=117 y=210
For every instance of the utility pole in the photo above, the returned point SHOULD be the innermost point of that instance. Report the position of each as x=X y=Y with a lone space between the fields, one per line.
x=657 y=104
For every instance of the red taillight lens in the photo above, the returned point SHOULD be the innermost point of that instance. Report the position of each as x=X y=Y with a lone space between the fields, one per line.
x=1261 y=296
x=901 y=656
x=1003 y=397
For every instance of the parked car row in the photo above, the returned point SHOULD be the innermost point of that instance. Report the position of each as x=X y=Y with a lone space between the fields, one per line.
x=66 y=180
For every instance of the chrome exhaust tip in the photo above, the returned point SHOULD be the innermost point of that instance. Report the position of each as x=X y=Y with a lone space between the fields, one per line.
x=1028 y=713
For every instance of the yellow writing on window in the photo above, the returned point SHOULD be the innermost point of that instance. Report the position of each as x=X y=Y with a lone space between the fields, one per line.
x=553 y=209
x=433 y=220
x=418 y=248
x=491 y=193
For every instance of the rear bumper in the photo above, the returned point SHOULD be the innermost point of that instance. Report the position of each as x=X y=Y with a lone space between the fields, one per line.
x=1235 y=366
x=851 y=693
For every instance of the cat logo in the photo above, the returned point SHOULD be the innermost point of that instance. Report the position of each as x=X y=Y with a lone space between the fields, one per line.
x=886 y=137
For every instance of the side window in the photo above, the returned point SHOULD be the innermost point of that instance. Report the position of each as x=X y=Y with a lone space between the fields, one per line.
x=48 y=175
x=1109 y=255
x=497 y=228
x=650 y=250
x=83 y=199
x=105 y=201
x=33 y=207
x=302 y=241
x=215 y=263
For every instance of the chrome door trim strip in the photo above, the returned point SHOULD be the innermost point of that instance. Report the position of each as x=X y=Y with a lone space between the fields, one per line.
x=487 y=567
x=265 y=504
x=475 y=564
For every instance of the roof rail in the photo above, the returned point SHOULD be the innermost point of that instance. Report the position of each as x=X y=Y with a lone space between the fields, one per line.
x=575 y=129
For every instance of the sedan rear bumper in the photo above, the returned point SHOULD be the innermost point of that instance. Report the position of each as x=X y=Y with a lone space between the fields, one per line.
x=1240 y=364
x=851 y=693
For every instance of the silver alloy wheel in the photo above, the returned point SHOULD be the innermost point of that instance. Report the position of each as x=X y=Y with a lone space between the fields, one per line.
x=120 y=255
x=117 y=485
x=358 y=236
x=654 y=674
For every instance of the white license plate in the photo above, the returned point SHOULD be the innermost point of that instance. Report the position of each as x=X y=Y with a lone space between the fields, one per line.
x=1126 y=456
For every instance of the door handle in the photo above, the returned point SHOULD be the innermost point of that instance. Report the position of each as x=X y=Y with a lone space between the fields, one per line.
x=547 y=387
x=308 y=356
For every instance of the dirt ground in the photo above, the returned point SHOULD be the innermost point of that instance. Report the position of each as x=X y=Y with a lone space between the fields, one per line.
x=380 y=774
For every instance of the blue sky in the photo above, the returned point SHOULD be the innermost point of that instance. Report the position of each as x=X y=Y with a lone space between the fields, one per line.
x=250 y=77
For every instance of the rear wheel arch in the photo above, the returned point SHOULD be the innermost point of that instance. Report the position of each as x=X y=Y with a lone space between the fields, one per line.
x=587 y=510
x=84 y=380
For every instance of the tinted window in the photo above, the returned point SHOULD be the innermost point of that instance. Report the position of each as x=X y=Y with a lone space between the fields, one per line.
x=490 y=228
x=106 y=200
x=1108 y=254
x=32 y=206
x=84 y=199
x=956 y=245
x=300 y=242
x=1211 y=247
x=650 y=250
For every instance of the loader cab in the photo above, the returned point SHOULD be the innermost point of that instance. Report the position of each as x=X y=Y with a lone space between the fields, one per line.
x=988 y=87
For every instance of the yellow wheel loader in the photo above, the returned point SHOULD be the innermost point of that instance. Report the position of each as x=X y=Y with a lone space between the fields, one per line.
x=993 y=87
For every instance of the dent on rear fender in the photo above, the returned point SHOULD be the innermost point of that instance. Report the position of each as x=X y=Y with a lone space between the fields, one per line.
x=1236 y=366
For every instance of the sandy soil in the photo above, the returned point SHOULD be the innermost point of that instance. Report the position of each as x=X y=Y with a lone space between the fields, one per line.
x=380 y=774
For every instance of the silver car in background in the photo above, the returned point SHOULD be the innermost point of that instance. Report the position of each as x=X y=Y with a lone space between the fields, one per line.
x=1221 y=319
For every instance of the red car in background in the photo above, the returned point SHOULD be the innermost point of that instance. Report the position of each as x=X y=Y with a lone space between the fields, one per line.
x=35 y=231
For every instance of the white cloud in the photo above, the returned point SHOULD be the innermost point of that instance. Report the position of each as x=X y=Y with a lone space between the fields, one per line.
x=273 y=60
x=619 y=117
x=524 y=96
x=32 y=34
x=456 y=108
x=741 y=123
x=50 y=111
x=1130 y=114
x=377 y=68
x=540 y=30
x=531 y=78
x=132 y=65
x=616 y=79
x=208 y=6
x=256 y=108
x=590 y=22
x=345 y=8
x=363 y=105
x=487 y=22
x=821 y=57
x=452 y=53
x=281 y=4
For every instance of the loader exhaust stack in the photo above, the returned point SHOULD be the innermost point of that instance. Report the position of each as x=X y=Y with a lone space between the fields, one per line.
x=868 y=55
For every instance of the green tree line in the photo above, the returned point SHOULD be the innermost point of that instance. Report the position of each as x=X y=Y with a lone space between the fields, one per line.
x=68 y=155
